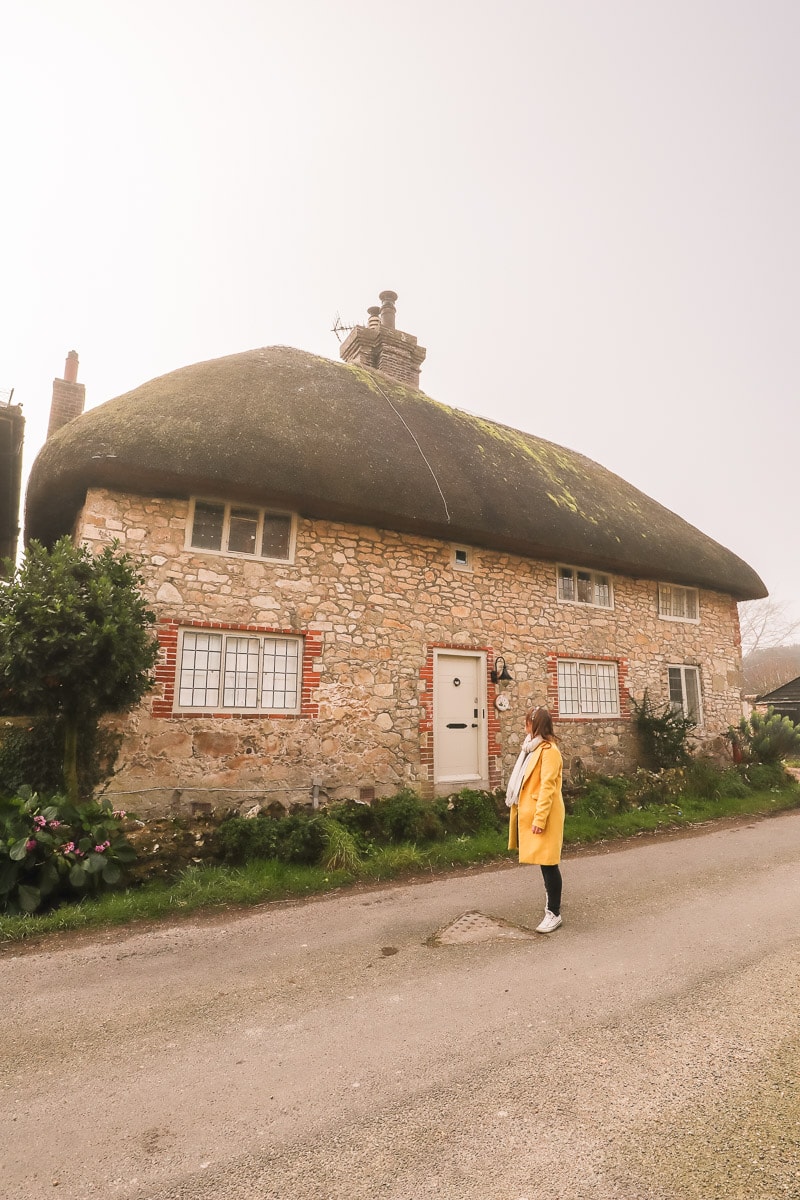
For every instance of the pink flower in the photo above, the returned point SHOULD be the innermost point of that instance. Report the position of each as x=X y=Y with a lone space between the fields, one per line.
x=68 y=848
x=31 y=844
x=119 y=813
x=100 y=849
x=40 y=822
x=54 y=825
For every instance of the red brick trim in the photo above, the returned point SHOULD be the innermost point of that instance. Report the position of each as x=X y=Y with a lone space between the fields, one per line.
x=166 y=668
x=426 y=675
x=622 y=683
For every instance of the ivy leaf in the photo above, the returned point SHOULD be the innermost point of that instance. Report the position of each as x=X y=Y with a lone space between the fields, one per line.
x=29 y=898
x=77 y=876
x=19 y=850
x=111 y=873
x=95 y=863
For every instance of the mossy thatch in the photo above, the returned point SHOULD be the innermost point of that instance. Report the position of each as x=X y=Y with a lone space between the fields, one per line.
x=279 y=426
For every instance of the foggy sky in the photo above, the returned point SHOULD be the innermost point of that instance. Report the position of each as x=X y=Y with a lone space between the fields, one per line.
x=589 y=211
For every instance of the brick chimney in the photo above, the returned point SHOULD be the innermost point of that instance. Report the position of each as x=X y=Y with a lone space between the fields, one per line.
x=69 y=396
x=380 y=346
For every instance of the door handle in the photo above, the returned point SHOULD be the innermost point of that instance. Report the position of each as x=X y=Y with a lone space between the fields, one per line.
x=474 y=724
x=457 y=725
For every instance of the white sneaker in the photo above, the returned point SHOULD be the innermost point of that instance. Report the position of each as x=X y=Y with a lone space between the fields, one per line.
x=550 y=922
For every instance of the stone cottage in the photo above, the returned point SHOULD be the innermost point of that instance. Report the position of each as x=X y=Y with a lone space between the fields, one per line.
x=358 y=588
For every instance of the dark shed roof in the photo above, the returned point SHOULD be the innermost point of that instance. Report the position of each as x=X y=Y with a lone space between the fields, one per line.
x=787 y=693
x=279 y=426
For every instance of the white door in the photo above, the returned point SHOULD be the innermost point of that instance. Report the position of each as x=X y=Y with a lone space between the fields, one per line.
x=459 y=717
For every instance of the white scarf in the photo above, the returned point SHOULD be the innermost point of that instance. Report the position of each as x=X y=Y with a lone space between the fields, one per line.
x=515 y=781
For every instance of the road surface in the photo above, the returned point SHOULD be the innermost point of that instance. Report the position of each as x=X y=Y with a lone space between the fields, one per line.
x=329 y=1050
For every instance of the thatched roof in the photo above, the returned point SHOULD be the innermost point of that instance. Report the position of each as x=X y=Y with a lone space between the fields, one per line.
x=279 y=426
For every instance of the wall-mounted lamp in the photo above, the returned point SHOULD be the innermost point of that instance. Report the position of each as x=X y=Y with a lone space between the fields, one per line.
x=498 y=674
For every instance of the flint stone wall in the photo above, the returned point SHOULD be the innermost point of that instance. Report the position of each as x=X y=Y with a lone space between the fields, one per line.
x=379 y=600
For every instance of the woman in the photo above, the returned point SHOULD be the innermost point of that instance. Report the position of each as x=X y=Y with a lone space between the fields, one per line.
x=534 y=796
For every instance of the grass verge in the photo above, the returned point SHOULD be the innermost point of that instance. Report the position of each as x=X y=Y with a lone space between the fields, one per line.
x=204 y=888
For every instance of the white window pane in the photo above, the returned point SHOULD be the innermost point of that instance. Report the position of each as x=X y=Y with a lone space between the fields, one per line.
x=566 y=587
x=676 y=689
x=590 y=695
x=691 y=604
x=199 y=670
x=602 y=591
x=608 y=692
x=242 y=531
x=692 y=687
x=280 y=673
x=207 y=525
x=568 y=698
x=276 y=536
x=241 y=673
x=585 y=594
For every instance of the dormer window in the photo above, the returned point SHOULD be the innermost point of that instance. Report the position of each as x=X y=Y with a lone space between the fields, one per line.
x=236 y=529
x=578 y=586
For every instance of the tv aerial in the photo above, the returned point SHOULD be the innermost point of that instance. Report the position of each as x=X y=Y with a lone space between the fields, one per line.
x=340 y=328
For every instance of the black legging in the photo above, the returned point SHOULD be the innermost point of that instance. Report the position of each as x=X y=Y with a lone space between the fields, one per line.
x=552 y=885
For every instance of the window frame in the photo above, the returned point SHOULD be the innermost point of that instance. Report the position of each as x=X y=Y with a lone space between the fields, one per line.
x=611 y=665
x=228 y=506
x=226 y=635
x=684 y=709
x=595 y=575
x=680 y=587
x=467 y=564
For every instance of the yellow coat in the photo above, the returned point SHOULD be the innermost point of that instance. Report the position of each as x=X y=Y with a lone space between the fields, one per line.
x=540 y=803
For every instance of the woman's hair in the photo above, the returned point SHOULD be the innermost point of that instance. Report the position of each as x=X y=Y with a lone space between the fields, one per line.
x=541 y=723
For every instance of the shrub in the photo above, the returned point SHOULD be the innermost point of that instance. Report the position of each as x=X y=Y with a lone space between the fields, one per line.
x=655 y=787
x=56 y=849
x=601 y=796
x=301 y=838
x=764 y=777
x=732 y=785
x=407 y=818
x=240 y=839
x=471 y=812
x=663 y=733
x=703 y=779
x=765 y=737
x=298 y=837
x=358 y=818
x=32 y=756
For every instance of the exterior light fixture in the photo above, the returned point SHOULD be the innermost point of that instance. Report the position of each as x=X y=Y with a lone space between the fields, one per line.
x=500 y=674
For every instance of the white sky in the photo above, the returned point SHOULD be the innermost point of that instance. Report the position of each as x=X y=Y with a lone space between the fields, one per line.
x=589 y=209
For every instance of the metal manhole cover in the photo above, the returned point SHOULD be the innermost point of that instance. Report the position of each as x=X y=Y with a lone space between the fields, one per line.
x=477 y=927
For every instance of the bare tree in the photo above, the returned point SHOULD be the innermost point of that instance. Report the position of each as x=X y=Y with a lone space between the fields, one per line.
x=766 y=624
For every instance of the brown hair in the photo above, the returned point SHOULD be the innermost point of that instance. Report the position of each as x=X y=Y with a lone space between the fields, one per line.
x=541 y=723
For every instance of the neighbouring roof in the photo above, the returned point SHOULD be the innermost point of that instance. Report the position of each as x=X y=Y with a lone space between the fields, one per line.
x=329 y=440
x=787 y=693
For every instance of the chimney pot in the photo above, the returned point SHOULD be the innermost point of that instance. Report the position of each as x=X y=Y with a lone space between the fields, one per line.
x=388 y=310
x=71 y=367
x=380 y=346
x=69 y=396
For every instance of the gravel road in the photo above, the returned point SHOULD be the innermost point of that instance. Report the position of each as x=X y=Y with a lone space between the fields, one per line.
x=326 y=1050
